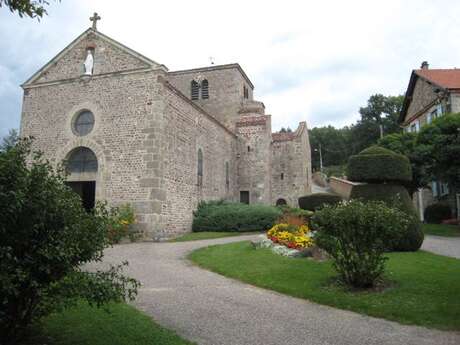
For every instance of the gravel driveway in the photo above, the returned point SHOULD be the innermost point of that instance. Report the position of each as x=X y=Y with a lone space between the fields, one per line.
x=212 y=310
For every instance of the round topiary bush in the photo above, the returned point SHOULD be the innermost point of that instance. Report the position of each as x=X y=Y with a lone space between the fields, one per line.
x=377 y=165
x=395 y=196
x=438 y=212
x=314 y=201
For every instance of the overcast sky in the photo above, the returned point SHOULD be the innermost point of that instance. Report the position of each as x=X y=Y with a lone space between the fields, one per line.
x=317 y=61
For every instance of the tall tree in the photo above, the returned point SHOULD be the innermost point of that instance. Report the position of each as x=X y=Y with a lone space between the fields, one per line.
x=27 y=8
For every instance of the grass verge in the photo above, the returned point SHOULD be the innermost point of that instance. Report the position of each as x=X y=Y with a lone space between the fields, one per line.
x=207 y=235
x=84 y=325
x=424 y=291
x=441 y=230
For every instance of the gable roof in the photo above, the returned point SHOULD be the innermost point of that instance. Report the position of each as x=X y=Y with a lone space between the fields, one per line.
x=77 y=40
x=445 y=79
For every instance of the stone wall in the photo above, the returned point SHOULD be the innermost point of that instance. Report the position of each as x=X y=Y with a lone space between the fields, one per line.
x=188 y=129
x=225 y=90
x=422 y=96
x=291 y=167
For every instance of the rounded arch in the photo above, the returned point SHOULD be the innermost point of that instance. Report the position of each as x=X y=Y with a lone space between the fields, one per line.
x=281 y=202
x=81 y=160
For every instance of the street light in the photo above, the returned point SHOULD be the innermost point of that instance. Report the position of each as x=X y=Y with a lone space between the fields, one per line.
x=320 y=158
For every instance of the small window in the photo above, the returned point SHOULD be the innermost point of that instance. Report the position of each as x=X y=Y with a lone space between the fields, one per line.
x=200 y=168
x=82 y=160
x=282 y=176
x=281 y=202
x=204 y=89
x=244 y=197
x=227 y=175
x=245 y=92
x=84 y=123
x=195 y=90
x=249 y=148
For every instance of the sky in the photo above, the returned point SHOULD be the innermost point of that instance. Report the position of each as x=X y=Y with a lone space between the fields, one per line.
x=314 y=61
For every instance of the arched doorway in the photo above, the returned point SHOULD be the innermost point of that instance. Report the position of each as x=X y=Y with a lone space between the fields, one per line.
x=82 y=166
x=281 y=202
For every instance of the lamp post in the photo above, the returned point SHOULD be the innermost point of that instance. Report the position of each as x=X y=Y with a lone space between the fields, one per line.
x=320 y=158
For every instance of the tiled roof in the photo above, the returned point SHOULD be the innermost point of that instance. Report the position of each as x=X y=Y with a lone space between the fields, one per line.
x=446 y=78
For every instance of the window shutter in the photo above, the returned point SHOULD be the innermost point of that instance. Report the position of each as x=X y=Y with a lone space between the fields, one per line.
x=194 y=90
x=205 y=89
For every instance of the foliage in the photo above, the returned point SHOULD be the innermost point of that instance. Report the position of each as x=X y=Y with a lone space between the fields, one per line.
x=438 y=212
x=335 y=170
x=294 y=215
x=290 y=235
x=314 y=201
x=356 y=234
x=334 y=143
x=440 y=140
x=228 y=216
x=27 y=8
x=45 y=238
x=376 y=164
x=441 y=230
x=10 y=140
x=419 y=285
x=394 y=196
x=121 y=220
x=405 y=144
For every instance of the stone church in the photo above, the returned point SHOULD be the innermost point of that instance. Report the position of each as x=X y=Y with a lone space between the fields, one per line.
x=131 y=131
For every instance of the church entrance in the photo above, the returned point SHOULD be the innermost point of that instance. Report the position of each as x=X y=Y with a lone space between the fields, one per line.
x=87 y=192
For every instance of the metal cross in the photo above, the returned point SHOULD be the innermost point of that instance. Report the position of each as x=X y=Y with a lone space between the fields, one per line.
x=94 y=19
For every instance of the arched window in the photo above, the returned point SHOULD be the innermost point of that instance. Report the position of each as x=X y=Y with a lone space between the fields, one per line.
x=84 y=123
x=281 y=202
x=227 y=175
x=195 y=90
x=205 y=89
x=200 y=168
x=82 y=160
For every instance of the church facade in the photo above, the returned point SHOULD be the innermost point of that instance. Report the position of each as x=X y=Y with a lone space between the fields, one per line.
x=131 y=131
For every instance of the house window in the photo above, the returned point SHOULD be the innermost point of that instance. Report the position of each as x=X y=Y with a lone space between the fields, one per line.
x=82 y=160
x=83 y=123
x=434 y=188
x=195 y=90
x=443 y=189
x=245 y=92
x=200 y=168
x=204 y=89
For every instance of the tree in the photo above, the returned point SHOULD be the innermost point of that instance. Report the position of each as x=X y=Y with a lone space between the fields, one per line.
x=28 y=8
x=406 y=144
x=440 y=141
x=46 y=237
x=10 y=140
x=335 y=148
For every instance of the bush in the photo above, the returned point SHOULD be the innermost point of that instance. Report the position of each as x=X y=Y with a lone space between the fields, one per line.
x=377 y=164
x=394 y=196
x=227 y=216
x=356 y=234
x=438 y=212
x=121 y=220
x=314 y=201
x=45 y=238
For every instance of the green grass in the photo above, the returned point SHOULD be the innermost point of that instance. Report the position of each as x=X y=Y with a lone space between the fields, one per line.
x=206 y=235
x=123 y=325
x=425 y=287
x=441 y=230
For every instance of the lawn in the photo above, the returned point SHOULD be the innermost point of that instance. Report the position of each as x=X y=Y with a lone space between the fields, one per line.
x=424 y=291
x=206 y=235
x=122 y=325
x=441 y=230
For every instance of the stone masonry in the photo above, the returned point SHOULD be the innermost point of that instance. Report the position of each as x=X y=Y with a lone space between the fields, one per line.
x=147 y=133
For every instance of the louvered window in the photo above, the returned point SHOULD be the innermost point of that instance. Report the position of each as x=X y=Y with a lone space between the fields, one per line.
x=195 y=90
x=204 y=89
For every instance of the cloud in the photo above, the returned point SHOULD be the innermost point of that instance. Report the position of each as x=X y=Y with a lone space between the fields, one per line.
x=313 y=61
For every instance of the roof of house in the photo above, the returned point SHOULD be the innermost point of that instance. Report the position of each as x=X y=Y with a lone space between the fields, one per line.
x=445 y=79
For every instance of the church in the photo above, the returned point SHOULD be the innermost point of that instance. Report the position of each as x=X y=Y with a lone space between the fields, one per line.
x=131 y=131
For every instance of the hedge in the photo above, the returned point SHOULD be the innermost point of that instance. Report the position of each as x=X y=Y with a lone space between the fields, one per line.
x=227 y=216
x=377 y=164
x=314 y=201
x=438 y=212
x=396 y=196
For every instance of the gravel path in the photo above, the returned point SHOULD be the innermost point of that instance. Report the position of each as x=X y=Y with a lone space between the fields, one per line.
x=213 y=310
x=448 y=246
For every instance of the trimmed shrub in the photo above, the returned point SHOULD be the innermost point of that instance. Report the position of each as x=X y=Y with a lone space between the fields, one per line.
x=227 y=216
x=376 y=164
x=438 y=212
x=394 y=196
x=314 y=201
x=356 y=234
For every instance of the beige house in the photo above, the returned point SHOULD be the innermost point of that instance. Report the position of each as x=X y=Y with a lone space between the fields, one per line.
x=431 y=93
x=132 y=131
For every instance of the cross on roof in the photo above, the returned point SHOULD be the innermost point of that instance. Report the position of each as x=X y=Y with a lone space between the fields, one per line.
x=94 y=19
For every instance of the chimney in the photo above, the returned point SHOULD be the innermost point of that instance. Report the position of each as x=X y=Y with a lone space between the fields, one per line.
x=424 y=65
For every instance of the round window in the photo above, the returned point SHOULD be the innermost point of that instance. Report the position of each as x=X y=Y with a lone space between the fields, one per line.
x=84 y=123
